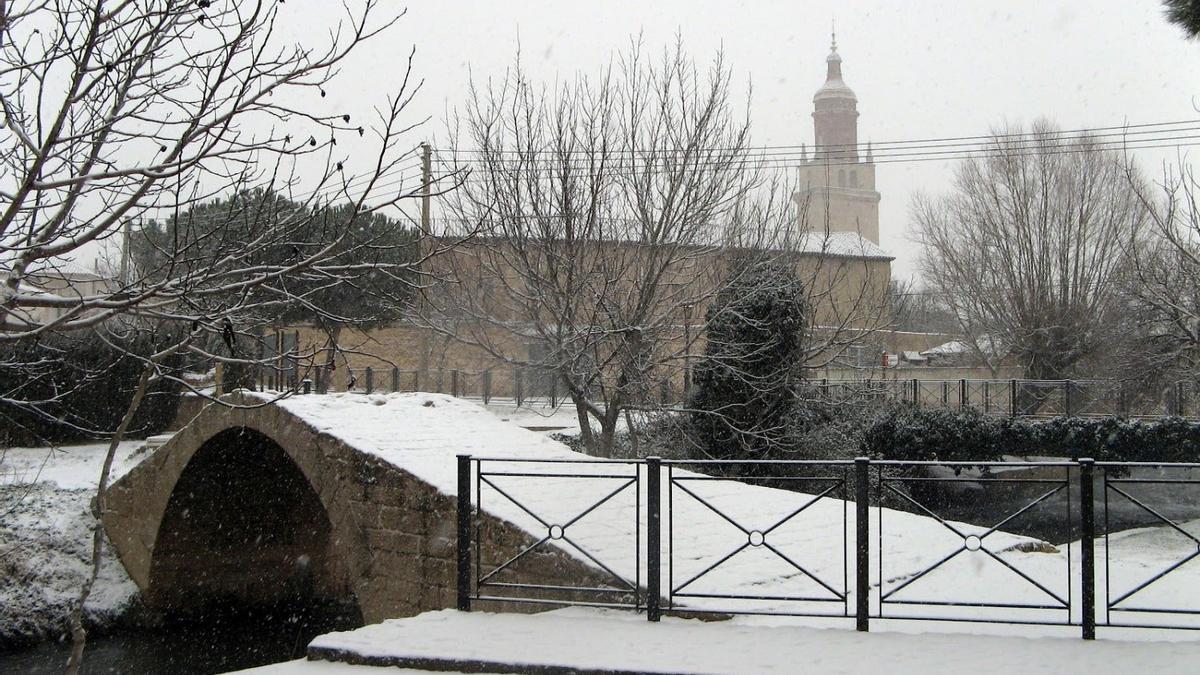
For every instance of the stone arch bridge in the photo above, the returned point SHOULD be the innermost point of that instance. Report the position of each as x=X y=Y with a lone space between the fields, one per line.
x=269 y=501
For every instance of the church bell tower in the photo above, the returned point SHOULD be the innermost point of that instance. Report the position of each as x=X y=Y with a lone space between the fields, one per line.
x=837 y=185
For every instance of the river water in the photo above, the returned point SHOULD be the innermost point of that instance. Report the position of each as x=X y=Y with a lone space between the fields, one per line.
x=214 y=644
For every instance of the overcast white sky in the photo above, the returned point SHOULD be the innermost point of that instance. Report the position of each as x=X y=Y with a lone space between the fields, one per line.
x=920 y=69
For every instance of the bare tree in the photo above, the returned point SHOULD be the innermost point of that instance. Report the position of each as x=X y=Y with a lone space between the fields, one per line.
x=1161 y=278
x=1027 y=245
x=118 y=113
x=918 y=309
x=609 y=209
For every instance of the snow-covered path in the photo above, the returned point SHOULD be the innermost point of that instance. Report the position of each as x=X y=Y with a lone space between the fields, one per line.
x=622 y=642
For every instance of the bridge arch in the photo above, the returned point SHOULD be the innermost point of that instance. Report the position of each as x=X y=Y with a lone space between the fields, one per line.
x=243 y=524
x=352 y=524
x=234 y=494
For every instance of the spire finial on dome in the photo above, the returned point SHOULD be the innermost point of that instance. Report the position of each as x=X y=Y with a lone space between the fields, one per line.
x=833 y=35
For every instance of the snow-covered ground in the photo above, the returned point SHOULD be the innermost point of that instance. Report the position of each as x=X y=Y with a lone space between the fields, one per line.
x=421 y=434
x=45 y=539
x=607 y=640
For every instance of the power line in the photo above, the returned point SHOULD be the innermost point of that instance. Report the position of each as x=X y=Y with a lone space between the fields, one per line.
x=1015 y=148
x=1147 y=127
x=748 y=163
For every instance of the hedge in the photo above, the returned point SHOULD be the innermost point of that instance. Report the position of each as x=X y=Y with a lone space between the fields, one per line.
x=74 y=388
x=910 y=434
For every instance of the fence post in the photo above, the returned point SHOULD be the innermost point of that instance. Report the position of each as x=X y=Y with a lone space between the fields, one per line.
x=487 y=386
x=454 y=383
x=862 y=544
x=945 y=393
x=987 y=396
x=916 y=387
x=824 y=389
x=1067 y=397
x=464 y=533
x=520 y=393
x=653 y=538
x=962 y=394
x=1179 y=400
x=416 y=380
x=395 y=379
x=370 y=376
x=1087 y=545
x=1012 y=398
x=554 y=390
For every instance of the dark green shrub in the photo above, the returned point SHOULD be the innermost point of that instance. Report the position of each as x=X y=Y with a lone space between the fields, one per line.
x=71 y=388
x=942 y=435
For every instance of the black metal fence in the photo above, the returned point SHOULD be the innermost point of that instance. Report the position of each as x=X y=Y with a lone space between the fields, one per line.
x=862 y=540
x=1016 y=398
x=1022 y=398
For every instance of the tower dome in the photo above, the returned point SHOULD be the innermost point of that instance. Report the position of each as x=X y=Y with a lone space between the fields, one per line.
x=834 y=87
x=835 y=113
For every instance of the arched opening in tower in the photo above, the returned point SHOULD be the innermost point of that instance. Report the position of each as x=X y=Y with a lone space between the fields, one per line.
x=245 y=533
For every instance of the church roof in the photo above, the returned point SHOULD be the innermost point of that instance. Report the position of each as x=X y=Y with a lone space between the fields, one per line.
x=842 y=245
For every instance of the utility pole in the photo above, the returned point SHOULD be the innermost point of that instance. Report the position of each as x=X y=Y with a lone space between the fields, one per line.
x=123 y=272
x=426 y=185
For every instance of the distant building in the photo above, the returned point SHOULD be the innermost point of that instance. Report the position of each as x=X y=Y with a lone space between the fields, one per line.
x=64 y=279
x=836 y=191
x=837 y=246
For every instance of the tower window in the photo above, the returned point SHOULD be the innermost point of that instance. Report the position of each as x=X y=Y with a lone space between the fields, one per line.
x=841 y=178
x=853 y=179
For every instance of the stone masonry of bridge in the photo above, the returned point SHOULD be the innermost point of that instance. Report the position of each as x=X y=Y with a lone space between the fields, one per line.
x=256 y=503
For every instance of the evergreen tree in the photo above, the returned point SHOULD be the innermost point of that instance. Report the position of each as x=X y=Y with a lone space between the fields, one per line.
x=1185 y=14
x=366 y=292
x=746 y=382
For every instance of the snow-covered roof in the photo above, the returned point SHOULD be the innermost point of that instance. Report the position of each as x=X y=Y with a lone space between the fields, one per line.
x=842 y=244
x=948 y=349
x=65 y=268
x=955 y=347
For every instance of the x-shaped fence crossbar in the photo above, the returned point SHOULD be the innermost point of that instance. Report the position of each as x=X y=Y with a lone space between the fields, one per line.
x=658 y=503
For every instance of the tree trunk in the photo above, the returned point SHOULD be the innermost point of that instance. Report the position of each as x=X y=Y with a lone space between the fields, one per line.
x=608 y=432
x=585 y=424
x=632 y=431
x=78 y=634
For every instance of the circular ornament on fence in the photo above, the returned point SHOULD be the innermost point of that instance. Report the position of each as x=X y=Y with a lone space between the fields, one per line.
x=757 y=538
x=973 y=543
x=556 y=532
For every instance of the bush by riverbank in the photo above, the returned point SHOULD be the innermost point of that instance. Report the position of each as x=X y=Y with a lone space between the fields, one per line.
x=912 y=434
x=46 y=546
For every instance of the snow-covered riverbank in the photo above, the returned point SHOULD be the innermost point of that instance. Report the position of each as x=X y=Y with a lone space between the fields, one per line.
x=45 y=541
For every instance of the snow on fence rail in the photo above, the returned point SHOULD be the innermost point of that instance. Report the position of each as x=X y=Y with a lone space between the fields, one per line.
x=1012 y=397
x=822 y=538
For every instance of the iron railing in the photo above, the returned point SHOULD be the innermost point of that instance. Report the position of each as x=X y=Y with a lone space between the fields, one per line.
x=831 y=543
x=1134 y=602
x=1013 y=397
